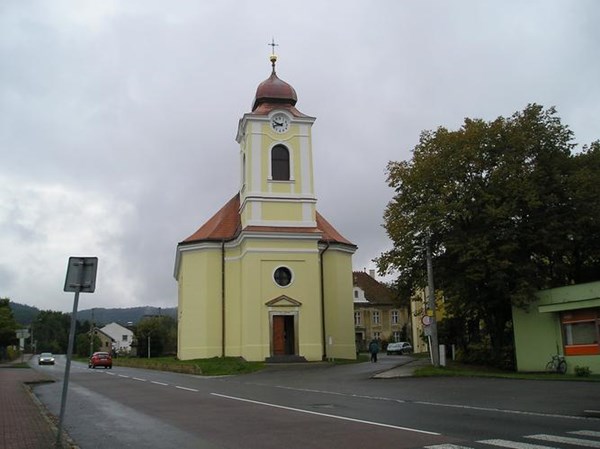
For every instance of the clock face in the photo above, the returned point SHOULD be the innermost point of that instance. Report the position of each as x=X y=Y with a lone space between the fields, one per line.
x=280 y=123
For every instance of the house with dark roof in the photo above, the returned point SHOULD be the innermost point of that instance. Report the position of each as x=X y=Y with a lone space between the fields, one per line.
x=267 y=277
x=377 y=312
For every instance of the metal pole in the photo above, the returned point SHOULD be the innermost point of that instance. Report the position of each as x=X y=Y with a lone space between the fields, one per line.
x=148 y=345
x=435 y=355
x=67 y=371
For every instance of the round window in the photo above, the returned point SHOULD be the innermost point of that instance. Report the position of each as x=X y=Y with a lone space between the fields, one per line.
x=282 y=276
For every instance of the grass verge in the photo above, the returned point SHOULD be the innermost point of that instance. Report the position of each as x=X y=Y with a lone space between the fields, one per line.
x=216 y=366
x=460 y=370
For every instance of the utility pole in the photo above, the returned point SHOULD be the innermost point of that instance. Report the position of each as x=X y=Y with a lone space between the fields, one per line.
x=92 y=335
x=433 y=337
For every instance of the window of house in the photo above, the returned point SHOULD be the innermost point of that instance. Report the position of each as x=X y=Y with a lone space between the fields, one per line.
x=377 y=335
x=356 y=293
x=396 y=336
x=124 y=337
x=581 y=331
x=280 y=163
x=394 y=317
x=376 y=317
x=357 y=319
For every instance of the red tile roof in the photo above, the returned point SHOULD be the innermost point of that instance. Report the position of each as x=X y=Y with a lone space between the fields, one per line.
x=375 y=291
x=226 y=225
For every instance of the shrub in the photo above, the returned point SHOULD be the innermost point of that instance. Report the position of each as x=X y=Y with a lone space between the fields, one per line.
x=582 y=371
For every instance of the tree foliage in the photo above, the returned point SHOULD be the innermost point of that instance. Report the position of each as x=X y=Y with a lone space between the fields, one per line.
x=8 y=326
x=162 y=331
x=507 y=208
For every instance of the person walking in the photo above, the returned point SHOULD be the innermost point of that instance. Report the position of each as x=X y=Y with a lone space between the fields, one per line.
x=373 y=350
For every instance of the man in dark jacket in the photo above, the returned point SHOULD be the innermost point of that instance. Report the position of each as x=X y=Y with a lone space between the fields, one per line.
x=374 y=349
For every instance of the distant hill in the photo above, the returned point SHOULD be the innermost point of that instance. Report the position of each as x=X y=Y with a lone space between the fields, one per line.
x=123 y=316
x=25 y=314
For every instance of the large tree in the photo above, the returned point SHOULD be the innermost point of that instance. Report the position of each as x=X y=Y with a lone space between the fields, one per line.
x=503 y=206
x=8 y=326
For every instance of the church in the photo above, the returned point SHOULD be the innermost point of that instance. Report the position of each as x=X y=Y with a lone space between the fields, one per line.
x=267 y=277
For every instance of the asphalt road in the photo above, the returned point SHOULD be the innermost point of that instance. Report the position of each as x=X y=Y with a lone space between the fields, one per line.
x=319 y=406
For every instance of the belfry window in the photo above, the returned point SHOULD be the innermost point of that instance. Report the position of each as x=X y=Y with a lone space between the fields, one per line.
x=280 y=163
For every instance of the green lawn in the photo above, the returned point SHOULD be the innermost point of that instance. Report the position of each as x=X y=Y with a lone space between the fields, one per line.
x=216 y=366
x=459 y=370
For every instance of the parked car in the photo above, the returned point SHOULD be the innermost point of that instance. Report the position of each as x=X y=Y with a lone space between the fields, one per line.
x=401 y=347
x=46 y=358
x=100 y=359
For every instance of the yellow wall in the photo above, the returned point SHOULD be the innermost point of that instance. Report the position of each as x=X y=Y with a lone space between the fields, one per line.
x=282 y=211
x=339 y=308
x=199 y=299
x=249 y=285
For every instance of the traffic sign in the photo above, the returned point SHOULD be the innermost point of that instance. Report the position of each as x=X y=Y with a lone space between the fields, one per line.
x=81 y=274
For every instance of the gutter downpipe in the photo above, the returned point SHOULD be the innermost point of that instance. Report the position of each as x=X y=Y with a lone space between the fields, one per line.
x=323 y=302
x=223 y=298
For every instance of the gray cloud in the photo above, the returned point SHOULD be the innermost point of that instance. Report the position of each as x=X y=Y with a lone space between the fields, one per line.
x=119 y=118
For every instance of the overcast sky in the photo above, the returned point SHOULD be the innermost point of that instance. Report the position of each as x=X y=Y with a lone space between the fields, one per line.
x=118 y=118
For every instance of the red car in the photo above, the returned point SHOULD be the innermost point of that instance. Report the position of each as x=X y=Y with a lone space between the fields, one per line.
x=100 y=359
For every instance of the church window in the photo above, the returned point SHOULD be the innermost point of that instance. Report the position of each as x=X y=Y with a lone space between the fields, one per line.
x=280 y=163
x=283 y=276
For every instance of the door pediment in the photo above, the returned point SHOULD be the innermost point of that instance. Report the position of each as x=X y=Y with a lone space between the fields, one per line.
x=283 y=301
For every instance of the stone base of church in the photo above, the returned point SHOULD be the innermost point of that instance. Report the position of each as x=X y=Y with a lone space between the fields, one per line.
x=285 y=359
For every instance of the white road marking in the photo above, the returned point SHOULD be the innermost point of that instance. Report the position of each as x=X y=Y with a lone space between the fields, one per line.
x=187 y=389
x=121 y=375
x=438 y=404
x=514 y=444
x=447 y=446
x=586 y=433
x=500 y=410
x=138 y=378
x=343 y=418
x=159 y=383
x=111 y=374
x=565 y=440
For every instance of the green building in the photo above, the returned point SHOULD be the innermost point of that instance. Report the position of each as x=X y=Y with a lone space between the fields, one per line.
x=565 y=321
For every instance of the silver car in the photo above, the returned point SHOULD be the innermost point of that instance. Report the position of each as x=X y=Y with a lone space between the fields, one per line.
x=401 y=347
x=46 y=358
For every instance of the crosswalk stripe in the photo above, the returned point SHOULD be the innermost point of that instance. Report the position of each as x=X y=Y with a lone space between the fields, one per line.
x=446 y=446
x=565 y=440
x=586 y=433
x=514 y=444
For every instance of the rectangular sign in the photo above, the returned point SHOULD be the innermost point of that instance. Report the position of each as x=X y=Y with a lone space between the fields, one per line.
x=81 y=274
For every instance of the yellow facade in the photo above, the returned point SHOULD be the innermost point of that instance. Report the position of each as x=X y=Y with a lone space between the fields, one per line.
x=266 y=277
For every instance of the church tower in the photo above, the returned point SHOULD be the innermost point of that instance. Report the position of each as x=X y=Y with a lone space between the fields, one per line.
x=277 y=187
x=267 y=277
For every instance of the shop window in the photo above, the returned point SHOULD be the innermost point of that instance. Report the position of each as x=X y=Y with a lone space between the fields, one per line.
x=581 y=331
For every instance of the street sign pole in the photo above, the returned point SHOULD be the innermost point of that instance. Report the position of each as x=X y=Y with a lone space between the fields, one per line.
x=81 y=277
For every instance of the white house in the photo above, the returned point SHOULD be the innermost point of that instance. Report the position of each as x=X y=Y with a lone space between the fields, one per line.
x=122 y=337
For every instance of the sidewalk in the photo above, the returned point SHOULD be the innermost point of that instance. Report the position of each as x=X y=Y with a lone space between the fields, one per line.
x=23 y=420
x=405 y=370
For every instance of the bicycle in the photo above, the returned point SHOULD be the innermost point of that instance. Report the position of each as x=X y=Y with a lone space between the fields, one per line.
x=557 y=364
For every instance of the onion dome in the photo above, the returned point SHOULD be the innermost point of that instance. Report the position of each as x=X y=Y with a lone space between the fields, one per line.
x=274 y=90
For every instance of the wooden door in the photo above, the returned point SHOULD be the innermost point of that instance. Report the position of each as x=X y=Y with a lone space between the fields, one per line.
x=278 y=335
